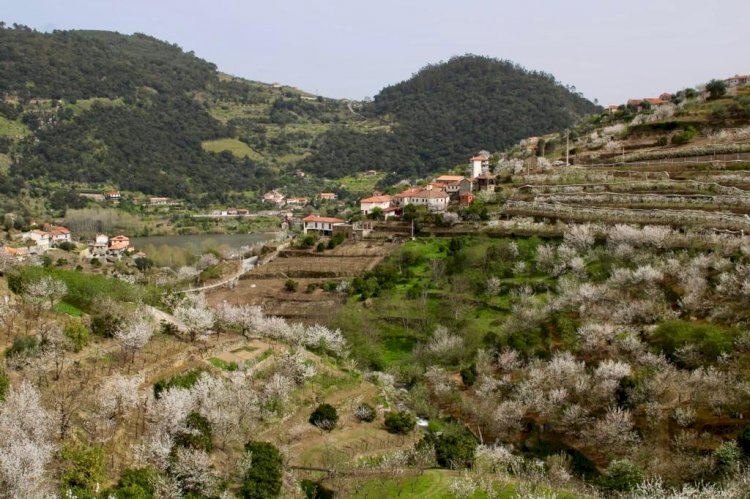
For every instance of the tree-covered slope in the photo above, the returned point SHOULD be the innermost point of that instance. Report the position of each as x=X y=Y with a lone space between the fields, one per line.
x=447 y=111
x=84 y=64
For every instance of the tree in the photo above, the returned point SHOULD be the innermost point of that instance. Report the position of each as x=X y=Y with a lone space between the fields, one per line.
x=400 y=422
x=196 y=316
x=76 y=333
x=25 y=442
x=365 y=412
x=716 y=88
x=45 y=292
x=134 y=336
x=324 y=417
x=622 y=475
x=143 y=263
x=83 y=469
x=263 y=471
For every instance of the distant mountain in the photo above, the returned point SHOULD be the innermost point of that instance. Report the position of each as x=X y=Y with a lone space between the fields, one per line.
x=96 y=109
x=446 y=112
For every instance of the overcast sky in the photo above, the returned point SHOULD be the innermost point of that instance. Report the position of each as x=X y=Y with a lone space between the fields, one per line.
x=609 y=50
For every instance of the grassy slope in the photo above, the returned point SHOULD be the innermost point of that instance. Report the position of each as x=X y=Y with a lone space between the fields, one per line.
x=10 y=128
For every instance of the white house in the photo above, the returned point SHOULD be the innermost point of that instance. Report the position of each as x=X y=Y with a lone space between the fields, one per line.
x=738 y=81
x=433 y=199
x=366 y=205
x=321 y=225
x=479 y=164
x=274 y=197
x=40 y=237
x=58 y=234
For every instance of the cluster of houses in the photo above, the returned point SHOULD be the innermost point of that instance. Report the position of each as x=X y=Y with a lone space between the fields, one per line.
x=439 y=194
x=639 y=104
x=105 y=247
x=277 y=198
x=38 y=241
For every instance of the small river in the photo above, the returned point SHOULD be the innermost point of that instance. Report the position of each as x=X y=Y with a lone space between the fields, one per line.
x=197 y=243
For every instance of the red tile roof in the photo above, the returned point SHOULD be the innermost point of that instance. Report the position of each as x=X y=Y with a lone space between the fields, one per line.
x=376 y=199
x=325 y=220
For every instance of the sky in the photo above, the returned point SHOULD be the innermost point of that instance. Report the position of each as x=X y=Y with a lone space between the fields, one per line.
x=609 y=50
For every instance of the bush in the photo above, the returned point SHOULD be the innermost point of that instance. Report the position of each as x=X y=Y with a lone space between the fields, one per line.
x=4 y=384
x=622 y=475
x=400 y=422
x=743 y=440
x=262 y=479
x=77 y=333
x=711 y=340
x=105 y=325
x=728 y=456
x=66 y=246
x=83 y=470
x=365 y=412
x=307 y=241
x=181 y=380
x=685 y=136
x=469 y=374
x=320 y=247
x=197 y=434
x=454 y=446
x=291 y=285
x=324 y=417
x=136 y=483
x=22 y=346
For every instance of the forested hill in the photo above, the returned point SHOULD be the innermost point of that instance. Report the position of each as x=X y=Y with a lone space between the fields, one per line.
x=445 y=112
x=85 y=64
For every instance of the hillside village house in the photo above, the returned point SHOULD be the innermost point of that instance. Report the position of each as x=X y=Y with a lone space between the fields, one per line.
x=41 y=238
x=366 y=205
x=105 y=247
x=321 y=225
x=58 y=234
x=479 y=164
x=274 y=197
x=328 y=196
x=159 y=201
x=302 y=201
x=434 y=199
x=738 y=81
x=452 y=184
x=112 y=195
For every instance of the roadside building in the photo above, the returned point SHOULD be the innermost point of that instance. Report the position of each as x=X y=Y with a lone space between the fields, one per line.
x=366 y=205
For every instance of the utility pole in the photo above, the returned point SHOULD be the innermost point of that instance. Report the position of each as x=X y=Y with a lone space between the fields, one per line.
x=567 y=147
x=412 y=229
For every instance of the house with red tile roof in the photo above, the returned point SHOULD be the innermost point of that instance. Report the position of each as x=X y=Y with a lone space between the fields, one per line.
x=321 y=225
x=366 y=205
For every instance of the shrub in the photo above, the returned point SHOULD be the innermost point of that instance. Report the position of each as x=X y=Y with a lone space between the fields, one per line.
x=324 y=417
x=469 y=374
x=743 y=440
x=454 y=447
x=95 y=262
x=622 y=475
x=685 y=136
x=262 y=478
x=83 y=470
x=365 y=412
x=66 y=246
x=307 y=241
x=136 y=483
x=22 y=346
x=711 y=340
x=77 y=333
x=400 y=422
x=320 y=247
x=181 y=380
x=728 y=456
x=291 y=285
x=4 y=384
x=197 y=434
x=105 y=325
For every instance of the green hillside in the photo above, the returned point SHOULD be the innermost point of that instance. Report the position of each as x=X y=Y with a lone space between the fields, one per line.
x=446 y=112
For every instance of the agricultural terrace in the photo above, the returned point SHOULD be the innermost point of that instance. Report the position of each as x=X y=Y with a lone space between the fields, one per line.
x=593 y=345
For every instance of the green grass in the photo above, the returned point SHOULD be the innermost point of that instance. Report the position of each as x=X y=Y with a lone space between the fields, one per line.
x=67 y=308
x=435 y=484
x=12 y=128
x=223 y=364
x=4 y=163
x=361 y=183
x=83 y=105
x=235 y=146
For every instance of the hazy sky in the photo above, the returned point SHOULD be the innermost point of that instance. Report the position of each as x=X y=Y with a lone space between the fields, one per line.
x=610 y=50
